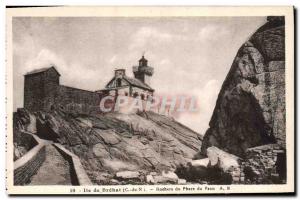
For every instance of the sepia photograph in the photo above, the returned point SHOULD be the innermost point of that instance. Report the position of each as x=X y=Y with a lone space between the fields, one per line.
x=150 y=100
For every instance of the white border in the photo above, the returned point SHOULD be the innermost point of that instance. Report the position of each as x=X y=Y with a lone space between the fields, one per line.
x=165 y=12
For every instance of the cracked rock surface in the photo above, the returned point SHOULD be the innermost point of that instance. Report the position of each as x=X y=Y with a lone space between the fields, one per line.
x=110 y=143
x=250 y=109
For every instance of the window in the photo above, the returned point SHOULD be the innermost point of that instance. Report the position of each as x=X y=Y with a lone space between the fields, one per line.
x=135 y=94
x=142 y=96
x=119 y=82
x=126 y=93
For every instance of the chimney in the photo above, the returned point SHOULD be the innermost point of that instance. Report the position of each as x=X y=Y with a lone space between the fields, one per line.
x=119 y=73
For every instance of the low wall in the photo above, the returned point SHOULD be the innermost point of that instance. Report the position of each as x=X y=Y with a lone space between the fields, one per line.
x=26 y=166
x=78 y=174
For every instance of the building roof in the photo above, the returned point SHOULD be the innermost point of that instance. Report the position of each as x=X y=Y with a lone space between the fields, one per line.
x=131 y=81
x=41 y=70
x=137 y=82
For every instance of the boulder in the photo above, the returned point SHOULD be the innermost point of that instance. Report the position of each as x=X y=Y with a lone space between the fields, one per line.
x=192 y=173
x=150 y=179
x=250 y=109
x=128 y=175
x=181 y=181
x=162 y=179
x=171 y=176
x=200 y=163
x=225 y=161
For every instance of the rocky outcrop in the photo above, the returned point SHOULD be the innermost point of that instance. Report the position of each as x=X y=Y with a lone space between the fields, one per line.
x=127 y=175
x=250 y=110
x=23 y=121
x=265 y=164
x=249 y=117
x=225 y=161
x=219 y=167
x=108 y=144
x=28 y=165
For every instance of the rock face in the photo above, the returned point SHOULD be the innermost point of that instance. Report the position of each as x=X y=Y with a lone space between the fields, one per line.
x=225 y=161
x=250 y=110
x=219 y=167
x=23 y=121
x=127 y=175
x=111 y=143
x=265 y=164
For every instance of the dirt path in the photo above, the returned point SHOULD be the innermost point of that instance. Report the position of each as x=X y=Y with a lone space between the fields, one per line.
x=54 y=171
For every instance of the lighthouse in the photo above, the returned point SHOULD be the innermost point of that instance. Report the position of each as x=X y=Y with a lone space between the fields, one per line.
x=143 y=72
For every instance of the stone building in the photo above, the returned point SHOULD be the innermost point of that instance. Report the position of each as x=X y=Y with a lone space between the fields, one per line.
x=42 y=89
x=137 y=87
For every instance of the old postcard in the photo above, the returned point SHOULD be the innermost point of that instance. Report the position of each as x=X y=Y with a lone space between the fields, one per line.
x=150 y=100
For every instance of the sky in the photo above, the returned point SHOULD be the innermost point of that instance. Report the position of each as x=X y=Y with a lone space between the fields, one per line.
x=190 y=55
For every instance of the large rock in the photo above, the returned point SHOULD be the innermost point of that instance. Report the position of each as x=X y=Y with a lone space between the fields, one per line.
x=150 y=179
x=200 y=163
x=265 y=164
x=170 y=176
x=250 y=109
x=114 y=142
x=23 y=121
x=224 y=161
x=219 y=167
x=166 y=177
x=127 y=175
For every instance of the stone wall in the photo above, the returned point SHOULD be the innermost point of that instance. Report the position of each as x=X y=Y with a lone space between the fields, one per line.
x=26 y=166
x=78 y=174
x=265 y=164
x=77 y=100
x=34 y=92
x=42 y=91
x=51 y=88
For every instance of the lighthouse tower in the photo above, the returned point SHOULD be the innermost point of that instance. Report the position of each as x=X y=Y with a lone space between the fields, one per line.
x=143 y=72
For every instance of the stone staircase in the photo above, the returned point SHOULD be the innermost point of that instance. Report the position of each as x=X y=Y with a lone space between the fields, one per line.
x=54 y=171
